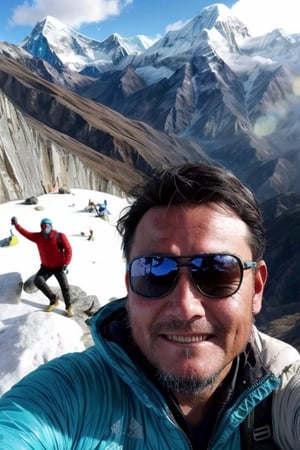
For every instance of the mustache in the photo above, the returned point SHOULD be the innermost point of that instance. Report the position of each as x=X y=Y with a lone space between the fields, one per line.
x=184 y=326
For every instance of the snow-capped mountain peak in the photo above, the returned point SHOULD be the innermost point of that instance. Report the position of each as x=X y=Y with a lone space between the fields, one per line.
x=60 y=44
x=214 y=26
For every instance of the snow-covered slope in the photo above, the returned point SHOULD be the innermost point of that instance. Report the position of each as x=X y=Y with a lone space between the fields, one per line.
x=30 y=336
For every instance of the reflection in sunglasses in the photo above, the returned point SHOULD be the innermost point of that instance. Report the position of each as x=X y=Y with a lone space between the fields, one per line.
x=214 y=275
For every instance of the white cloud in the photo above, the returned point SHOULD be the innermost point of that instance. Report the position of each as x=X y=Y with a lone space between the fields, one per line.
x=72 y=12
x=262 y=16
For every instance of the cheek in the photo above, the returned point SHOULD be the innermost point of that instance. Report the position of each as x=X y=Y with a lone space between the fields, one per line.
x=138 y=313
x=234 y=315
x=239 y=318
x=142 y=315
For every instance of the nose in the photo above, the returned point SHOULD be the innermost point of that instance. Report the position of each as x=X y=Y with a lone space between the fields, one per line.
x=186 y=302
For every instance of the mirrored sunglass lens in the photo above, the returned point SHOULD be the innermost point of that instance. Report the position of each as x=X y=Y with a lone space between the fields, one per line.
x=152 y=276
x=216 y=275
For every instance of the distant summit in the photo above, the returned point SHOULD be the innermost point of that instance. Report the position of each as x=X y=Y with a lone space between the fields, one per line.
x=63 y=47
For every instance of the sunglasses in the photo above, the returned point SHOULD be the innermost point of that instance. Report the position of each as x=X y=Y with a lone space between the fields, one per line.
x=215 y=275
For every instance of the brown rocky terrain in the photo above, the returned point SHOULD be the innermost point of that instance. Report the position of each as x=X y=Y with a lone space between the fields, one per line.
x=114 y=150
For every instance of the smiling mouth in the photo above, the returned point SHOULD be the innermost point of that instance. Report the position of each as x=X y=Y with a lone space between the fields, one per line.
x=186 y=339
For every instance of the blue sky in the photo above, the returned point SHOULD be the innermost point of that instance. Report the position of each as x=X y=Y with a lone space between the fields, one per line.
x=99 y=18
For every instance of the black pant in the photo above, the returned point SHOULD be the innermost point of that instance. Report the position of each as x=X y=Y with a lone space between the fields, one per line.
x=40 y=281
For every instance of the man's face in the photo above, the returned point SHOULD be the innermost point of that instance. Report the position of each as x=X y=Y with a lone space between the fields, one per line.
x=186 y=334
x=46 y=229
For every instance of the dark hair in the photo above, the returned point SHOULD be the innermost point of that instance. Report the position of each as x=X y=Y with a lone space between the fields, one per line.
x=194 y=183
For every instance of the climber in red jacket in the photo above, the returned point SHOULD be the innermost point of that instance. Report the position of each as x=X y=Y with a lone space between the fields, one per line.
x=55 y=254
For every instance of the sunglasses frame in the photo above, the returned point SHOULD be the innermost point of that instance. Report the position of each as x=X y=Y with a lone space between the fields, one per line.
x=244 y=265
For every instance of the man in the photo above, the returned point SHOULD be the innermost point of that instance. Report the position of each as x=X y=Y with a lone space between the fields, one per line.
x=178 y=363
x=55 y=254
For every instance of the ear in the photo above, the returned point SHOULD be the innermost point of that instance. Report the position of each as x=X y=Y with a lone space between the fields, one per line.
x=261 y=275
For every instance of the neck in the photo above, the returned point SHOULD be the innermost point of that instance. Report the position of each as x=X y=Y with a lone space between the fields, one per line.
x=195 y=405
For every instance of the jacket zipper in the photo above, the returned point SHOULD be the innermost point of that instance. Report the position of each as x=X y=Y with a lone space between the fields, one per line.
x=239 y=401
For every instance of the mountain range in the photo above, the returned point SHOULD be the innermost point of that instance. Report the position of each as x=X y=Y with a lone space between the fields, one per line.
x=106 y=114
x=235 y=97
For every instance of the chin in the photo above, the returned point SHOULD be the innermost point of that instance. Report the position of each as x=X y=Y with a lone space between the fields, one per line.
x=188 y=383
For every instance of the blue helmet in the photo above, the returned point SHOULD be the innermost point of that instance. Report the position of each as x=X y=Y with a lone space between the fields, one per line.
x=46 y=221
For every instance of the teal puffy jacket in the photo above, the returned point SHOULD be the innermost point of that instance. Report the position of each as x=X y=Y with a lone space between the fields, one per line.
x=99 y=399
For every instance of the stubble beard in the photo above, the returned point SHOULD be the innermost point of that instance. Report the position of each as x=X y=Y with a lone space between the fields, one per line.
x=189 y=384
